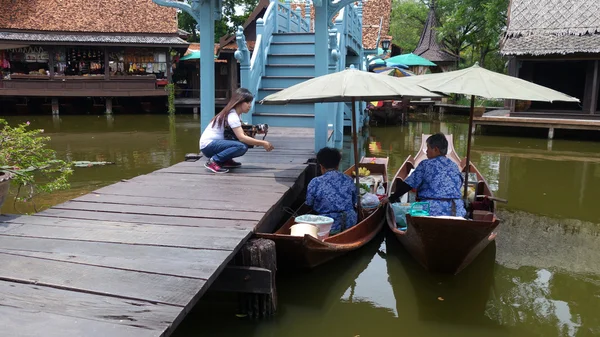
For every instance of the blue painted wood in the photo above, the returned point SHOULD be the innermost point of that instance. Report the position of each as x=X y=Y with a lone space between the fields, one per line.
x=291 y=55
x=205 y=13
x=291 y=59
x=321 y=68
x=290 y=70
x=296 y=47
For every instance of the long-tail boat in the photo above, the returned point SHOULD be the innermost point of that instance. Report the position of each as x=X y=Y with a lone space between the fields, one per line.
x=445 y=244
x=308 y=252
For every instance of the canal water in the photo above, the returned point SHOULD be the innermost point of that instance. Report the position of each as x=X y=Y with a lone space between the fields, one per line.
x=540 y=278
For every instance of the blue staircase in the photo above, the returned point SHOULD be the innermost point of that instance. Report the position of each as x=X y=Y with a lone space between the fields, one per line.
x=284 y=55
x=291 y=60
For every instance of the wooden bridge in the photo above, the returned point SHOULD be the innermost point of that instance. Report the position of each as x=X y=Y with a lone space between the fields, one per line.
x=132 y=259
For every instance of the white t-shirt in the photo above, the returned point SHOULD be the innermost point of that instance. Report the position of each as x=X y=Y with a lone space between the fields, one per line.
x=214 y=133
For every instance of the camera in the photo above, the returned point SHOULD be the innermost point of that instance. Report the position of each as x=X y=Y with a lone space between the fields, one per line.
x=262 y=128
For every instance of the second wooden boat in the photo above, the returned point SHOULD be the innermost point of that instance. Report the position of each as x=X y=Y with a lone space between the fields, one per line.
x=309 y=252
x=443 y=244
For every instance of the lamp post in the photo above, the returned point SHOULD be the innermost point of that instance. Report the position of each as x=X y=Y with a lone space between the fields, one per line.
x=385 y=45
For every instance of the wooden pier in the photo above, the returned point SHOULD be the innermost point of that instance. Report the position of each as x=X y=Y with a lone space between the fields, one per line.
x=535 y=122
x=133 y=258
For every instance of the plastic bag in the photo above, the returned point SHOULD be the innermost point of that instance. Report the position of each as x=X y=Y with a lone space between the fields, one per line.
x=369 y=200
x=400 y=211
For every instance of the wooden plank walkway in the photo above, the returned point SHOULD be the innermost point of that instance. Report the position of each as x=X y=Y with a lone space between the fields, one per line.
x=132 y=259
x=533 y=122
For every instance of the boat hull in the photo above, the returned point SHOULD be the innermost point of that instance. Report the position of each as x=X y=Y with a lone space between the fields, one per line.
x=443 y=245
x=308 y=252
x=440 y=244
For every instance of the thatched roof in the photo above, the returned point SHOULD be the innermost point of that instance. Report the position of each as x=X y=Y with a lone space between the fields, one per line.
x=428 y=46
x=541 y=27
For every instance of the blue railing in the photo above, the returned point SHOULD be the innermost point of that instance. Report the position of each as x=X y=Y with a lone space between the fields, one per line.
x=278 y=15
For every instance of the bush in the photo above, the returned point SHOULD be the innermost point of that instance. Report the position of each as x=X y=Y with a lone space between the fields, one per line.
x=35 y=167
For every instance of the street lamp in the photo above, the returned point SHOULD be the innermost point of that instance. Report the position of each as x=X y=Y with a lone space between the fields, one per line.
x=385 y=45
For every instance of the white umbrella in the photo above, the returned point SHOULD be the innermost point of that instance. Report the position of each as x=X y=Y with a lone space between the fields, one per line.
x=478 y=81
x=349 y=85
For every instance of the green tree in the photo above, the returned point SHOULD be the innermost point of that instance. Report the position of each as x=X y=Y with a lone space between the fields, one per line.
x=406 y=23
x=228 y=23
x=469 y=28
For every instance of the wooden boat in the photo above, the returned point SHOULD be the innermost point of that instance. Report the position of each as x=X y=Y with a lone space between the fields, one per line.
x=309 y=252
x=444 y=244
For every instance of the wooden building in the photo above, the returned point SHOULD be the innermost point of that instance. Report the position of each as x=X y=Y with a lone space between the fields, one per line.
x=429 y=47
x=59 y=50
x=556 y=44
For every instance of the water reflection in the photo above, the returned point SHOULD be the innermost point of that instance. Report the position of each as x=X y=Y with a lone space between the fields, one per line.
x=136 y=144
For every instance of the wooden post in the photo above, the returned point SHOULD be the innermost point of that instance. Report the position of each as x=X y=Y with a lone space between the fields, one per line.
x=551 y=133
x=592 y=86
x=259 y=253
x=169 y=76
x=513 y=70
x=51 y=60
x=106 y=66
x=55 y=106
x=233 y=75
x=109 y=106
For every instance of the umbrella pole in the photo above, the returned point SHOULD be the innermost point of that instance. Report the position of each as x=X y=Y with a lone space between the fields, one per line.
x=356 y=161
x=469 y=148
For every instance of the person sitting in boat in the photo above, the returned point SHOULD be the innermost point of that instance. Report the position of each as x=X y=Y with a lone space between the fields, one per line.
x=437 y=180
x=221 y=151
x=333 y=194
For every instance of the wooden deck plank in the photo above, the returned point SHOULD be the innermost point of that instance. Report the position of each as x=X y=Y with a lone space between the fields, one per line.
x=16 y=321
x=167 y=202
x=148 y=219
x=154 y=243
x=80 y=312
x=199 y=194
x=194 y=180
x=286 y=176
x=159 y=210
x=196 y=263
x=166 y=236
x=98 y=280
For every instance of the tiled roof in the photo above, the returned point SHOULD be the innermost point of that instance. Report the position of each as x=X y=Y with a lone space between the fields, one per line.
x=233 y=46
x=373 y=11
x=92 y=38
x=541 y=27
x=106 y=16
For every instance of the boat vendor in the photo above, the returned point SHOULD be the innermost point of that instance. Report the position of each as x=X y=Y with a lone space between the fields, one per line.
x=221 y=151
x=333 y=194
x=437 y=180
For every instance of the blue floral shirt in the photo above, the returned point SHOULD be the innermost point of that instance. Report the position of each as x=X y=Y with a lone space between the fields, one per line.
x=333 y=194
x=439 y=181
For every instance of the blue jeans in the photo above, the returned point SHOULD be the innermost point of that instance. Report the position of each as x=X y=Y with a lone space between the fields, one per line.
x=222 y=150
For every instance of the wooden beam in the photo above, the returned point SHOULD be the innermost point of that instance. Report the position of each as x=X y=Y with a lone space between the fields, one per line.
x=513 y=70
x=595 y=88
x=242 y=279
x=51 y=52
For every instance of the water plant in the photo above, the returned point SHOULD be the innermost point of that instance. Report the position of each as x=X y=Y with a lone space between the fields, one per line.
x=28 y=163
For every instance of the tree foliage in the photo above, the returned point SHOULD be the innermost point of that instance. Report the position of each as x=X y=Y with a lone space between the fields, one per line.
x=228 y=23
x=469 y=28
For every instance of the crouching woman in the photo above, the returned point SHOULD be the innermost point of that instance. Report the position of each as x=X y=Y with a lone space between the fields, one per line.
x=220 y=151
